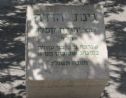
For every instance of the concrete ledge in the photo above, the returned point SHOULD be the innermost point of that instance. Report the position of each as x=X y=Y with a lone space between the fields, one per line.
x=66 y=88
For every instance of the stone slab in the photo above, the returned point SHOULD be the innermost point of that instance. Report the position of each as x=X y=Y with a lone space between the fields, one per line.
x=66 y=51
x=65 y=42
x=66 y=89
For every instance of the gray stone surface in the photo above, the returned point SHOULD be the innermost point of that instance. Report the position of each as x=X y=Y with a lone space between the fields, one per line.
x=60 y=31
x=66 y=89
x=115 y=12
x=84 y=73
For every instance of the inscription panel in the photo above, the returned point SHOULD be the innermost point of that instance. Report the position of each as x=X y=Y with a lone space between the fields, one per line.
x=65 y=42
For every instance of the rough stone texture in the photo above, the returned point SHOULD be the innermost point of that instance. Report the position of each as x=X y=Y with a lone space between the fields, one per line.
x=59 y=81
x=115 y=12
x=12 y=52
x=66 y=89
x=45 y=67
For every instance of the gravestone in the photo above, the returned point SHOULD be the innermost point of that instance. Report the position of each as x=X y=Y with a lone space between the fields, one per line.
x=66 y=51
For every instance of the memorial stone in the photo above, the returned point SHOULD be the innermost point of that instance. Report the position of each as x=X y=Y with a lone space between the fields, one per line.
x=66 y=51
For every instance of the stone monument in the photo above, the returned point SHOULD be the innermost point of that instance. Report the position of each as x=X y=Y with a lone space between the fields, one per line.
x=66 y=51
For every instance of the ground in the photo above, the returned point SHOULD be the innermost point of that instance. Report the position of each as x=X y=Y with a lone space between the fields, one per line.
x=12 y=50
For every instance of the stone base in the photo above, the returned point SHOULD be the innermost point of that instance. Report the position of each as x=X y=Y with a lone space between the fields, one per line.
x=65 y=88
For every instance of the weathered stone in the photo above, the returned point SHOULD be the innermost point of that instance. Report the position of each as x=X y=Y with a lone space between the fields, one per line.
x=66 y=51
